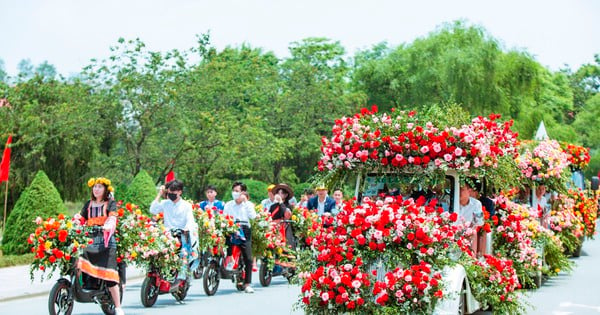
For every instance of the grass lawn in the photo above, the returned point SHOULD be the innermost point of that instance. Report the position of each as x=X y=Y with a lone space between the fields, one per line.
x=15 y=260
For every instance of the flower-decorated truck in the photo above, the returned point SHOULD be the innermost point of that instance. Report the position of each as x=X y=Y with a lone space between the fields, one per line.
x=406 y=252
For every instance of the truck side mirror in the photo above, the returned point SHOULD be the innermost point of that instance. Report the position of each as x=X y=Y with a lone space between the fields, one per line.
x=595 y=183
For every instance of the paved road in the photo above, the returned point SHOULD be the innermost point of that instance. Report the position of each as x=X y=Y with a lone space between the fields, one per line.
x=577 y=293
x=276 y=299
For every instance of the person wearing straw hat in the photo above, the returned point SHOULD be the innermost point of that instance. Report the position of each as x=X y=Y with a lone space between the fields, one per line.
x=266 y=203
x=322 y=203
x=282 y=210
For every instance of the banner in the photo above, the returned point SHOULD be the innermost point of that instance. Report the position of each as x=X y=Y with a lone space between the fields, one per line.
x=5 y=165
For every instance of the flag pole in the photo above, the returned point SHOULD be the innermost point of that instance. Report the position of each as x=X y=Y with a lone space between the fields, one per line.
x=5 y=204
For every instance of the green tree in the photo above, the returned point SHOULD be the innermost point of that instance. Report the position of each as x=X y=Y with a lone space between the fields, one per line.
x=3 y=74
x=57 y=127
x=25 y=70
x=315 y=92
x=139 y=83
x=587 y=123
x=40 y=199
x=225 y=99
x=46 y=70
x=585 y=82
x=141 y=191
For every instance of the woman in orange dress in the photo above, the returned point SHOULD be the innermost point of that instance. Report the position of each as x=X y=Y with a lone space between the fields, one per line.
x=99 y=259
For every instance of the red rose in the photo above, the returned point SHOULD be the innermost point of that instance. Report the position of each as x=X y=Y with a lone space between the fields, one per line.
x=62 y=235
x=453 y=216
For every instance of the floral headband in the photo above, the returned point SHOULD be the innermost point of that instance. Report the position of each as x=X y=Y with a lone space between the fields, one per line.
x=100 y=180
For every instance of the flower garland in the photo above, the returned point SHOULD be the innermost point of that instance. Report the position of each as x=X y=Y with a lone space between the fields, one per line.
x=400 y=141
x=409 y=290
x=586 y=209
x=514 y=238
x=100 y=180
x=305 y=224
x=345 y=269
x=213 y=229
x=146 y=243
x=544 y=163
x=564 y=223
x=56 y=244
x=578 y=156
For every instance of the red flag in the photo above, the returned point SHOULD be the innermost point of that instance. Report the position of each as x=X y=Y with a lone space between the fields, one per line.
x=169 y=177
x=5 y=165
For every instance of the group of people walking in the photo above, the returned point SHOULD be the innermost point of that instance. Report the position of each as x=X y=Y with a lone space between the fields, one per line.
x=99 y=260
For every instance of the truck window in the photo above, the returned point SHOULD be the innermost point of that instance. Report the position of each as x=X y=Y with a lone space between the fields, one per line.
x=380 y=185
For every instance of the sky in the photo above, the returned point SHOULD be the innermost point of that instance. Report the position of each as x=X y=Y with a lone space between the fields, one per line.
x=68 y=33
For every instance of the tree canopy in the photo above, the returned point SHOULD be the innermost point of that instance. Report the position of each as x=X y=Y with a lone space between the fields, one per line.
x=214 y=116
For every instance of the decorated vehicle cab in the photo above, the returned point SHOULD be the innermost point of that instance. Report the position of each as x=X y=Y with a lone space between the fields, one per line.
x=400 y=246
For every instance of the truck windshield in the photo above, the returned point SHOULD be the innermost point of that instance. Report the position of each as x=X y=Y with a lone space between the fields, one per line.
x=381 y=185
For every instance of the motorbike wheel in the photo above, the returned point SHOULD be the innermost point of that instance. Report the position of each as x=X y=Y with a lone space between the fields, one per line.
x=109 y=308
x=577 y=251
x=264 y=275
x=149 y=292
x=60 y=301
x=211 y=278
x=240 y=285
x=181 y=293
x=290 y=276
x=198 y=272
x=462 y=302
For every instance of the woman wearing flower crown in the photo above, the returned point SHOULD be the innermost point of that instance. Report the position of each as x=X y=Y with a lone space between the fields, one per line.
x=99 y=260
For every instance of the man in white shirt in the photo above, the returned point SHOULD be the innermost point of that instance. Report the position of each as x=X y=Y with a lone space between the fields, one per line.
x=471 y=212
x=178 y=214
x=242 y=212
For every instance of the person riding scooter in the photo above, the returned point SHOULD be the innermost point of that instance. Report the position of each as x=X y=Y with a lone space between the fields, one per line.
x=178 y=214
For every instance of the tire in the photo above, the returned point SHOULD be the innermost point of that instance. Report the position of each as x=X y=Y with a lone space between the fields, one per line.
x=537 y=280
x=149 y=292
x=60 y=301
x=462 y=302
x=109 y=308
x=240 y=285
x=291 y=274
x=198 y=272
x=577 y=251
x=182 y=292
x=264 y=275
x=211 y=278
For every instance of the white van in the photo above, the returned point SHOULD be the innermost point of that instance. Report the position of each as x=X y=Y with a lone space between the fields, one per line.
x=459 y=299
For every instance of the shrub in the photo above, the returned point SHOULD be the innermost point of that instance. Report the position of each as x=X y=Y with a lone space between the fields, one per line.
x=256 y=189
x=299 y=189
x=141 y=191
x=39 y=199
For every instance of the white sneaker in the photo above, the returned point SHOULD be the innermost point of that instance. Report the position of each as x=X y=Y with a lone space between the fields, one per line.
x=119 y=311
x=249 y=289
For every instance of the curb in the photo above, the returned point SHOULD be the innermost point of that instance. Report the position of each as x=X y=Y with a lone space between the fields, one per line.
x=130 y=280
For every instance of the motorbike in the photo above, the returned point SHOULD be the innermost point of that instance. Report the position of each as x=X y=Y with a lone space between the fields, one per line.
x=76 y=286
x=273 y=267
x=156 y=284
x=216 y=269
